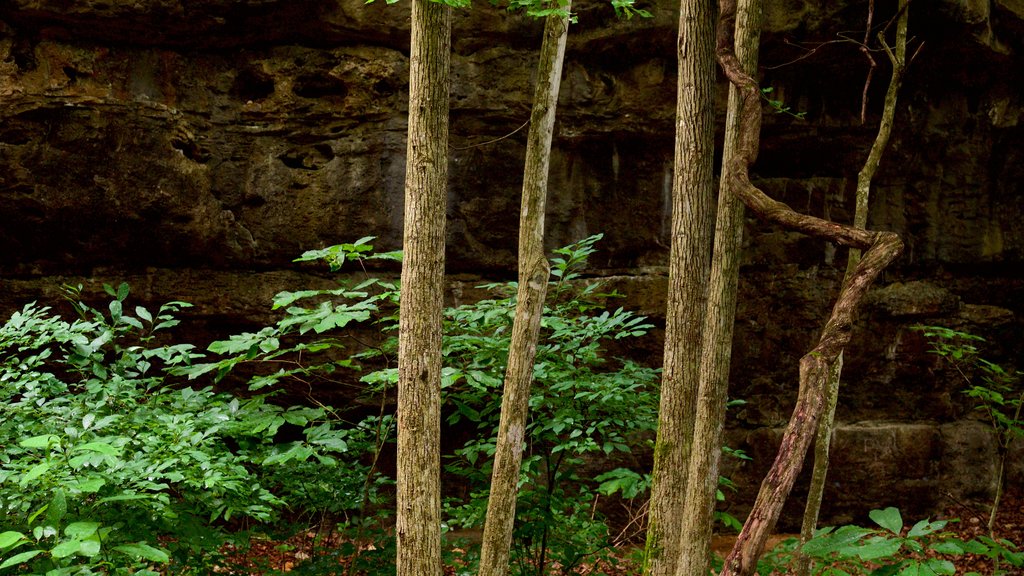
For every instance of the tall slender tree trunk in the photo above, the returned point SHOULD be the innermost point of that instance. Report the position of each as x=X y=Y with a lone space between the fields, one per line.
x=881 y=248
x=689 y=266
x=823 y=440
x=717 y=331
x=533 y=283
x=419 y=339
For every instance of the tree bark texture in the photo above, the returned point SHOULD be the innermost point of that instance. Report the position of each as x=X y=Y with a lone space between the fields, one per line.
x=823 y=440
x=533 y=283
x=418 y=522
x=689 y=266
x=717 y=330
x=822 y=446
x=881 y=248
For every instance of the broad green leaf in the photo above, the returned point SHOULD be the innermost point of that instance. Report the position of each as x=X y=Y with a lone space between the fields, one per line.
x=101 y=447
x=32 y=517
x=938 y=567
x=144 y=314
x=394 y=256
x=295 y=451
x=58 y=507
x=10 y=538
x=880 y=548
x=1014 y=558
x=889 y=519
x=924 y=527
x=66 y=548
x=270 y=345
x=42 y=441
x=90 y=546
x=144 y=551
x=93 y=458
x=90 y=485
x=81 y=530
x=20 y=558
x=822 y=546
x=133 y=322
x=332 y=443
x=124 y=498
x=948 y=547
x=974 y=547
x=34 y=472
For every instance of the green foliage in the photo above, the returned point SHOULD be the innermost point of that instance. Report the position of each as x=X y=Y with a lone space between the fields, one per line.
x=337 y=255
x=887 y=550
x=544 y=8
x=999 y=395
x=307 y=312
x=541 y=9
x=628 y=9
x=120 y=466
x=583 y=405
x=994 y=391
x=114 y=467
x=779 y=106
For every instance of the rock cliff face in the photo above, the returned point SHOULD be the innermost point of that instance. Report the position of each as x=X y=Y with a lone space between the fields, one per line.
x=195 y=148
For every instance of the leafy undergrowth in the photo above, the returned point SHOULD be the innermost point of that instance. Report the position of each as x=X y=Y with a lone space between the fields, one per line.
x=312 y=552
x=1009 y=525
x=124 y=459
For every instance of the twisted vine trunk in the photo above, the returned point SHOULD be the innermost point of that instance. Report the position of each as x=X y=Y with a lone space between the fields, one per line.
x=418 y=520
x=822 y=444
x=533 y=283
x=880 y=249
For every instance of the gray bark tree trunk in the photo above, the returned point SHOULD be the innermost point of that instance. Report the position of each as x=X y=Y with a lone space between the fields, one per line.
x=689 y=266
x=418 y=521
x=717 y=330
x=533 y=283
x=881 y=248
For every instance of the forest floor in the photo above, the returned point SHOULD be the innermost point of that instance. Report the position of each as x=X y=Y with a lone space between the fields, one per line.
x=974 y=522
x=276 y=557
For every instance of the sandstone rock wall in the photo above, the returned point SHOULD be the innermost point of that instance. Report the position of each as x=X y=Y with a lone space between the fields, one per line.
x=196 y=148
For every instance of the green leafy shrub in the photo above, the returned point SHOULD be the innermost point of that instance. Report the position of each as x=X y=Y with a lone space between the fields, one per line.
x=114 y=466
x=922 y=550
x=306 y=347
x=121 y=466
x=584 y=406
x=994 y=391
